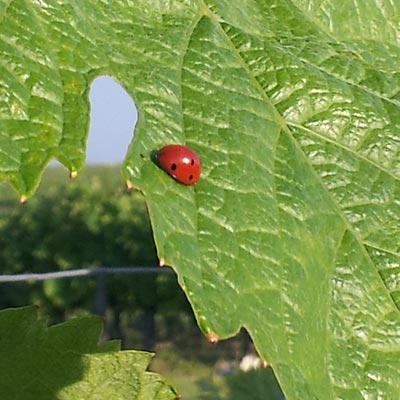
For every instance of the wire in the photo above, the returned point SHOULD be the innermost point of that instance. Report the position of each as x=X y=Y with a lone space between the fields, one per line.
x=42 y=276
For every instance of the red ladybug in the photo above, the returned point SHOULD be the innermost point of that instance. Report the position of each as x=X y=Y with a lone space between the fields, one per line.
x=181 y=162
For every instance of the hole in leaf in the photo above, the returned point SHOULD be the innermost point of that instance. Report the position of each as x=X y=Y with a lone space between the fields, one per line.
x=112 y=120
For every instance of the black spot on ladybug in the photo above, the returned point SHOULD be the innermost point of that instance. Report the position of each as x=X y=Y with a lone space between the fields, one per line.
x=173 y=167
x=190 y=177
x=192 y=162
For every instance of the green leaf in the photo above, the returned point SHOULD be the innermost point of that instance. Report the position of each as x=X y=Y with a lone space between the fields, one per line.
x=293 y=106
x=65 y=362
x=118 y=376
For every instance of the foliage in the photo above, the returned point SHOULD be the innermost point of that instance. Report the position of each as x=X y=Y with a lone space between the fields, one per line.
x=93 y=221
x=293 y=230
x=61 y=363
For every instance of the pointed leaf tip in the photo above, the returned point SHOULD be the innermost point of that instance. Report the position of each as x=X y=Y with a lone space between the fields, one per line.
x=73 y=174
x=23 y=199
x=128 y=185
x=213 y=338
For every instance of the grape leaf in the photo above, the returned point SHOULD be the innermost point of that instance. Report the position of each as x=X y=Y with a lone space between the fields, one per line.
x=62 y=363
x=293 y=107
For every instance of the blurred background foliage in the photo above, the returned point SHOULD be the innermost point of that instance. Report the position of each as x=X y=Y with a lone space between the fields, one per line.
x=93 y=221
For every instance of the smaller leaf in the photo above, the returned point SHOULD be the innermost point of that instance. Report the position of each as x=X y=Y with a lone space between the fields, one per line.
x=66 y=362
x=118 y=376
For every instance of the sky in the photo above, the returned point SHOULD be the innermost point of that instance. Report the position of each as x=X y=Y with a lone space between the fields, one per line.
x=112 y=121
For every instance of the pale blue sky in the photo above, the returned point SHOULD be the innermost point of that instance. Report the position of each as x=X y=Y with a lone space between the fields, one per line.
x=113 y=117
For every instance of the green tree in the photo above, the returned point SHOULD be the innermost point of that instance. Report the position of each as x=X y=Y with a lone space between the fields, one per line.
x=90 y=222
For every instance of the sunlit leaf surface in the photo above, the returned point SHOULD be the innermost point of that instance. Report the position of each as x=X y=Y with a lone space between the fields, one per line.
x=293 y=107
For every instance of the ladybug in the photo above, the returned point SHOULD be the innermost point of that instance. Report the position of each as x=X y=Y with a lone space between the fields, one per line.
x=181 y=162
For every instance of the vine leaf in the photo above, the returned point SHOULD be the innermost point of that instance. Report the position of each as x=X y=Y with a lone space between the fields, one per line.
x=293 y=107
x=60 y=362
